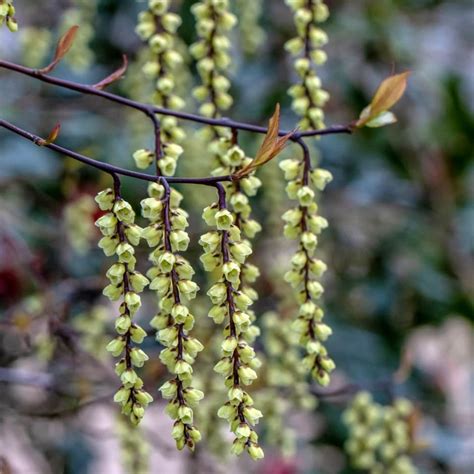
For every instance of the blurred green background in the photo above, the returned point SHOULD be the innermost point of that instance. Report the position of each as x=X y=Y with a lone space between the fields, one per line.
x=399 y=247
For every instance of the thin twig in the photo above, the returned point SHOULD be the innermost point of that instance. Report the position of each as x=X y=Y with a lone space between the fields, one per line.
x=152 y=109
x=108 y=168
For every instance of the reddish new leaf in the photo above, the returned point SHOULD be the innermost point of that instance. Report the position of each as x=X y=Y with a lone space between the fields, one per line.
x=389 y=92
x=118 y=74
x=272 y=145
x=51 y=137
x=64 y=45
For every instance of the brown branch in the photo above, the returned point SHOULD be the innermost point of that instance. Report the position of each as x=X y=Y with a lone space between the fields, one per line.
x=151 y=109
x=108 y=168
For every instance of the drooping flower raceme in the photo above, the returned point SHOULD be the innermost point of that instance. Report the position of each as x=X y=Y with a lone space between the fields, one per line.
x=252 y=35
x=213 y=22
x=380 y=437
x=224 y=254
x=304 y=224
x=308 y=96
x=7 y=15
x=171 y=278
x=120 y=236
x=158 y=26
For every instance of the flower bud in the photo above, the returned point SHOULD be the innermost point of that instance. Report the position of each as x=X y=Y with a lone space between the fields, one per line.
x=105 y=199
x=179 y=241
x=224 y=219
x=115 y=273
x=122 y=324
x=107 y=224
x=185 y=414
x=167 y=165
x=166 y=262
x=217 y=293
x=188 y=288
x=137 y=334
x=151 y=209
x=152 y=235
x=138 y=282
x=116 y=346
x=112 y=292
x=322 y=331
x=193 y=396
x=240 y=251
x=143 y=158
x=169 y=389
x=138 y=357
x=218 y=314
x=209 y=215
x=133 y=302
x=224 y=366
x=109 y=245
x=231 y=272
x=305 y=196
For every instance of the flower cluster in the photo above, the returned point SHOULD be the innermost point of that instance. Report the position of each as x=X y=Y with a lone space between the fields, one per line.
x=167 y=162
x=224 y=254
x=120 y=235
x=213 y=22
x=380 y=437
x=308 y=96
x=303 y=223
x=7 y=15
x=158 y=26
x=252 y=35
x=170 y=277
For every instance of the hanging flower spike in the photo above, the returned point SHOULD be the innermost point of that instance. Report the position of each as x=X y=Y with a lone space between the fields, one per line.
x=158 y=26
x=171 y=278
x=252 y=35
x=120 y=235
x=213 y=23
x=308 y=96
x=225 y=253
x=303 y=223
